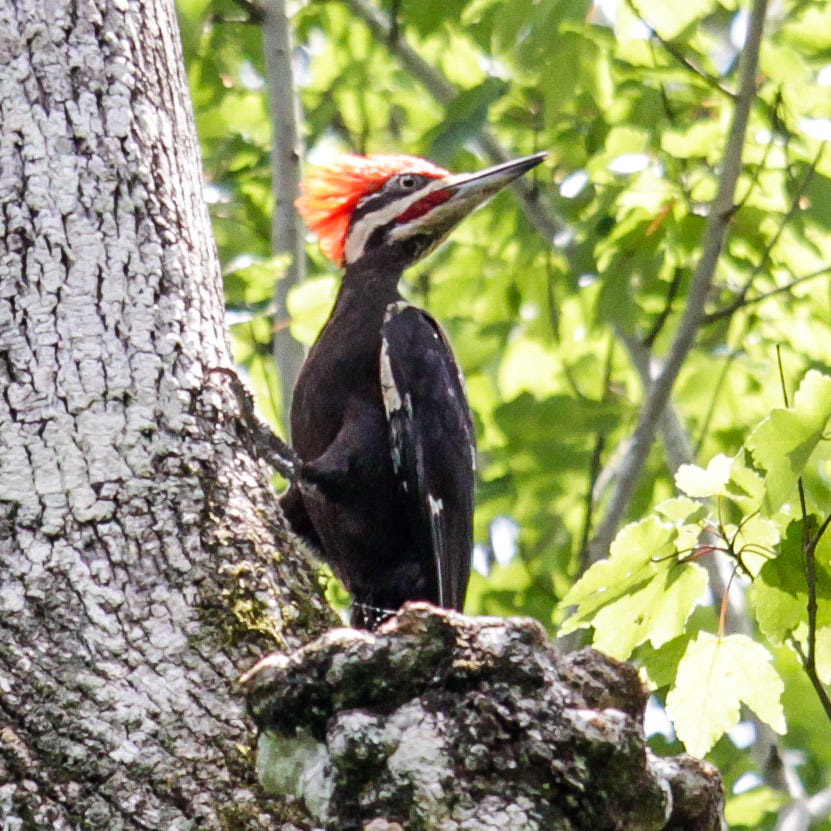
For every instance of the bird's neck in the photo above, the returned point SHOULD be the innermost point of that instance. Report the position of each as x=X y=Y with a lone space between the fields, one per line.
x=371 y=286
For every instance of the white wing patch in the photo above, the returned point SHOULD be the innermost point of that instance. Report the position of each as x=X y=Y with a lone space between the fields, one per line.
x=392 y=398
x=436 y=507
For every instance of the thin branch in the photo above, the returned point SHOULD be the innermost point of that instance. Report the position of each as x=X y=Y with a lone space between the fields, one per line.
x=713 y=317
x=809 y=545
x=718 y=388
x=718 y=221
x=821 y=532
x=662 y=318
x=741 y=300
x=758 y=169
x=444 y=92
x=596 y=457
x=811 y=672
x=807 y=549
x=669 y=47
x=286 y=228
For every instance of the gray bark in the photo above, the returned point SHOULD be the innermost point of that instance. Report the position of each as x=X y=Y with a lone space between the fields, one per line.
x=143 y=563
x=446 y=723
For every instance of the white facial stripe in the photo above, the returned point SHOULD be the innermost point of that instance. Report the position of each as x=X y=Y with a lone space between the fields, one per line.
x=360 y=233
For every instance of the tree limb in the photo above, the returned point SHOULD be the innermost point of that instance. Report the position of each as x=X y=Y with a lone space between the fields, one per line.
x=742 y=300
x=718 y=221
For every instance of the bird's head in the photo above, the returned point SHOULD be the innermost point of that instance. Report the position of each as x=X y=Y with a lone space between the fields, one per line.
x=396 y=207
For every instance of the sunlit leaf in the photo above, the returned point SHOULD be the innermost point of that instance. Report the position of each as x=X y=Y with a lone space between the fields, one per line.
x=700 y=482
x=782 y=444
x=670 y=17
x=715 y=676
x=642 y=592
x=309 y=305
x=749 y=809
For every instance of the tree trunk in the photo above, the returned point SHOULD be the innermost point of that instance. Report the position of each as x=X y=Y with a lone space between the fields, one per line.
x=143 y=564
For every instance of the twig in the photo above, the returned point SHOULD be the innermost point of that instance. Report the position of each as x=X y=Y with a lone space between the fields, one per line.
x=596 y=457
x=718 y=388
x=809 y=545
x=286 y=227
x=672 y=292
x=718 y=221
x=811 y=672
x=679 y=56
x=715 y=316
x=742 y=300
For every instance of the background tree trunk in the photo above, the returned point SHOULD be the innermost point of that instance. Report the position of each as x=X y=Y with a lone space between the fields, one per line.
x=143 y=564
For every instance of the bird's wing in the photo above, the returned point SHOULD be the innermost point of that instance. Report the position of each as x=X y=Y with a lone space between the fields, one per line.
x=432 y=444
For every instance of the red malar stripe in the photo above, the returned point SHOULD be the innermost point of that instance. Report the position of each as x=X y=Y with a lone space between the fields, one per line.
x=425 y=205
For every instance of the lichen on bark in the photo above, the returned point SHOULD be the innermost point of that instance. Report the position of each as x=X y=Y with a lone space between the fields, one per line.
x=445 y=723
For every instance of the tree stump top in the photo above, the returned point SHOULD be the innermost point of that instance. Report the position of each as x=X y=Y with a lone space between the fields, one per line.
x=441 y=721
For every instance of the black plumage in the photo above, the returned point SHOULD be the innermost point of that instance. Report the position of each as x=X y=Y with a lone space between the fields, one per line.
x=380 y=422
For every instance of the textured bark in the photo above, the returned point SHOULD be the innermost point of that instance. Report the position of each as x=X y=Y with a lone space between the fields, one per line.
x=142 y=560
x=444 y=723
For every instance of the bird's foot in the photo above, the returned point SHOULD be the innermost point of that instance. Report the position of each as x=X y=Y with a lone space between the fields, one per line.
x=267 y=444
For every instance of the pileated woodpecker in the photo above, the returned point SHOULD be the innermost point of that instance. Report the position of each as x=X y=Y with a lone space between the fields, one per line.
x=380 y=423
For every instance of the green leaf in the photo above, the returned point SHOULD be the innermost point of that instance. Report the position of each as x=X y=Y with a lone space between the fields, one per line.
x=702 y=482
x=755 y=541
x=655 y=612
x=715 y=676
x=254 y=283
x=640 y=593
x=779 y=595
x=466 y=115
x=309 y=304
x=746 y=487
x=749 y=809
x=670 y=17
x=681 y=510
x=661 y=665
x=701 y=139
x=783 y=443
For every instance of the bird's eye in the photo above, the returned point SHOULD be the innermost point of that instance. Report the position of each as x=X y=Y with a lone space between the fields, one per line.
x=407 y=182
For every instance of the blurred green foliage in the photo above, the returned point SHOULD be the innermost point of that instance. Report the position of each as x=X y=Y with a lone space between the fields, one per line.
x=633 y=101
